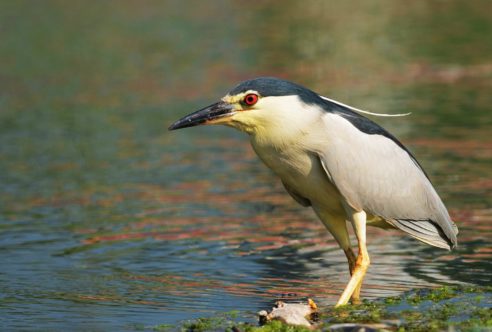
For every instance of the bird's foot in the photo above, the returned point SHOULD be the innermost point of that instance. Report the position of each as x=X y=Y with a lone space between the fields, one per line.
x=355 y=300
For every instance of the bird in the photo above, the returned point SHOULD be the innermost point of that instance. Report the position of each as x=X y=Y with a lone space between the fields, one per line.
x=333 y=159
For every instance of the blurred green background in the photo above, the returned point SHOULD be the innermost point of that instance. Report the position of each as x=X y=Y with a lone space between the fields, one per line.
x=109 y=222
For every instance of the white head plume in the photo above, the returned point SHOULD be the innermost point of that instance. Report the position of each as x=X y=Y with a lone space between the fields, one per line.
x=364 y=112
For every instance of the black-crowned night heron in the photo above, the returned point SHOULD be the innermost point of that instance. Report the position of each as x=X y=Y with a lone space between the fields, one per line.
x=343 y=165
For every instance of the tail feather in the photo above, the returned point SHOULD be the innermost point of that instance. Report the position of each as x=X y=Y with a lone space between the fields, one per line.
x=426 y=231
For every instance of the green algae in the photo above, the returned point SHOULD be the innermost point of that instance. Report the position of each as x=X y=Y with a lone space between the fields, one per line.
x=460 y=308
x=274 y=326
x=223 y=322
x=211 y=324
x=163 y=327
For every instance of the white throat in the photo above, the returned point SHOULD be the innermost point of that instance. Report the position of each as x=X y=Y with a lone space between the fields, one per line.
x=279 y=120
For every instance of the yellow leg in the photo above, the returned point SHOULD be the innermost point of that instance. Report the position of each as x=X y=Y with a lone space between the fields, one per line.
x=355 y=298
x=362 y=262
x=337 y=226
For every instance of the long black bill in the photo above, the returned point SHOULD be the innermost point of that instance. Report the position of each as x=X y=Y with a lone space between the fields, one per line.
x=207 y=114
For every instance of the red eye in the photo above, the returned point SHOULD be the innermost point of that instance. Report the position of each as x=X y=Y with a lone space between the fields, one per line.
x=250 y=99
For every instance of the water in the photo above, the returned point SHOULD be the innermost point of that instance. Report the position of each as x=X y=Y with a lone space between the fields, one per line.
x=109 y=222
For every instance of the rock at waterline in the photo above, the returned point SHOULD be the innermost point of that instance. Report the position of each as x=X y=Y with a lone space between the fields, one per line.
x=291 y=313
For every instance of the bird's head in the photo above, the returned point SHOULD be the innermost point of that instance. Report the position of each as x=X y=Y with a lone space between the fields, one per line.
x=258 y=105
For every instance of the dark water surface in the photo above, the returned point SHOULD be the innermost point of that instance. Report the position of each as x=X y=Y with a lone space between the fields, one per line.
x=109 y=222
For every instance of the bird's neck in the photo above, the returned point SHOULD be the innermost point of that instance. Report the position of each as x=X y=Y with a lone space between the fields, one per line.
x=286 y=131
x=278 y=136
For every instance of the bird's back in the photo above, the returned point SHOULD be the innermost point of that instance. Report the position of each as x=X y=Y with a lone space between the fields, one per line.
x=376 y=173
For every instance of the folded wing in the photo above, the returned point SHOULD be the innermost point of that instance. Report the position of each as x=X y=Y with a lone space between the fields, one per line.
x=375 y=173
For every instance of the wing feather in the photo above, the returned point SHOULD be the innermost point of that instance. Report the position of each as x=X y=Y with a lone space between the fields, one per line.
x=298 y=198
x=375 y=174
x=423 y=230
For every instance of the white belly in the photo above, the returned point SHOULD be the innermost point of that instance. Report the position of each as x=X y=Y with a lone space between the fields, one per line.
x=301 y=171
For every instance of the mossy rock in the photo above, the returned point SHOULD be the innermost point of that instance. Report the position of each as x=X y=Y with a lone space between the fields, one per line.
x=459 y=308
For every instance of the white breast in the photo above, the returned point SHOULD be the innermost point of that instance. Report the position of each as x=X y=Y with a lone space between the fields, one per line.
x=301 y=170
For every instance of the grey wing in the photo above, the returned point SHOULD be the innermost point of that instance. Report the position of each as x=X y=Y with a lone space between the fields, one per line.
x=298 y=198
x=376 y=174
